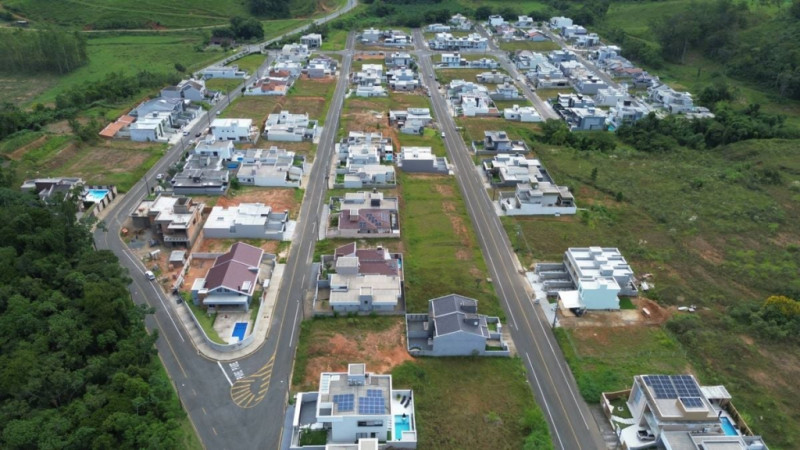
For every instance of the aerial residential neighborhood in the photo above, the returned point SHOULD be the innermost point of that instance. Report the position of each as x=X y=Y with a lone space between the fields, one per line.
x=396 y=225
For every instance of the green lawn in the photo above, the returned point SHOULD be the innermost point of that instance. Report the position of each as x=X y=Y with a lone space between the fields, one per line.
x=437 y=237
x=206 y=322
x=335 y=40
x=445 y=76
x=475 y=126
x=255 y=107
x=544 y=46
x=486 y=410
x=250 y=63
x=606 y=359
x=223 y=84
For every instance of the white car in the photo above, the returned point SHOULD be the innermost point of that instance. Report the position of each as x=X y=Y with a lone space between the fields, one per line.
x=150 y=275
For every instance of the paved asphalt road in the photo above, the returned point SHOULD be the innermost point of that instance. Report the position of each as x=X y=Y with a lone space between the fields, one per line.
x=545 y=110
x=571 y=423
x=226 y=412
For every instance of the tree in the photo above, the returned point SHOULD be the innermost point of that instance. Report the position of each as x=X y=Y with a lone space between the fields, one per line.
x=180 y=68
x=483 y=13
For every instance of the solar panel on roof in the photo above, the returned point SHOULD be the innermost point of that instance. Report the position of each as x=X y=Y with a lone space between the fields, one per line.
x=692 y=402
x=371 y=405
x=344 y=402
x=672 y=386
x=374 y=393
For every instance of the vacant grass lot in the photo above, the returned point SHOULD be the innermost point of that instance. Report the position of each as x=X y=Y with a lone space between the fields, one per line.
x=475 y=126
x=254 y=107
x=606 y=359
x=544 y=46
x=250 y=63
x=431 y=138
x=437 y=238
x=713 y=233
x=445 y=76
x=223 y=84
x=335 y=40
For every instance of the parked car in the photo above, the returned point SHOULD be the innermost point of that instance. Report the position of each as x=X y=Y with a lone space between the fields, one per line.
x=197 y=134
x=150 y=275
x=185 y=133
x=160 y=177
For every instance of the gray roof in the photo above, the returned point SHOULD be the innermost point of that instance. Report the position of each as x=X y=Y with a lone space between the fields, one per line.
x=453 y=313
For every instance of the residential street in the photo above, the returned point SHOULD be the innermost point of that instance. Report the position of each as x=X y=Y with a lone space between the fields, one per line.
x=571 y=424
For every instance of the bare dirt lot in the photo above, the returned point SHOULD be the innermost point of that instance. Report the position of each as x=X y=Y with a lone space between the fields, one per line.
x=621 y=318
x=333 y=343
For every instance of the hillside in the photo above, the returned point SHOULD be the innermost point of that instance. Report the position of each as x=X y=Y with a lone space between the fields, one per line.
x=150 y=14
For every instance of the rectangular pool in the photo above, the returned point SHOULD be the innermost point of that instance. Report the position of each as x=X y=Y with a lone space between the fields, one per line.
x=401 y=424
x=95 y=195
x=727 y=427
x=239 y=330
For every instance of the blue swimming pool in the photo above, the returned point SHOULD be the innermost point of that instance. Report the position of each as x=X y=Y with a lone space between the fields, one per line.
x=401 y=424
x=95 y=195
x=239 y=329
x=389 y=157
x=727 y=427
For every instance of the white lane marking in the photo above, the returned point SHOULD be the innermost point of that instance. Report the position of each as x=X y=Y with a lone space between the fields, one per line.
x=544 y=399
x=291 y=337
x=238 y=373
x=223 y=372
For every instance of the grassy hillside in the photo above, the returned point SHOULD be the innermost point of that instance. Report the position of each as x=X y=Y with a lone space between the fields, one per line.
x=154 y=14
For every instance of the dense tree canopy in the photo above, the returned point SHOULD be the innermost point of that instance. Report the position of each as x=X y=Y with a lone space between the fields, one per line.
x=77 y=369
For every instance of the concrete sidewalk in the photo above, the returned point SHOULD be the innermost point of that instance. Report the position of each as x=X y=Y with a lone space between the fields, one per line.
x=260 y=332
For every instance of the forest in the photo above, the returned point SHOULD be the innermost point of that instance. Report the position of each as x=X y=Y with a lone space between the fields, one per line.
x=77 y=368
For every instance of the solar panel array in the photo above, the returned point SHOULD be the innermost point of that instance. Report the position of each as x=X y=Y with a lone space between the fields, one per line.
x=371 y=405
x=344 y=402
x=374 y=393
x=692 y=402
x=673 y=386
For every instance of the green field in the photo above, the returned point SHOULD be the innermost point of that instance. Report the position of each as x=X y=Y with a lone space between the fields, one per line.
x=445 y=76
x=224 y=85
x=437 y=236
x=431 y=138
x=475 y=126
x=149 y=14
x=544 y=46
x=250 y=63
x=714 y=233
x=335 y=40
x=131 y=53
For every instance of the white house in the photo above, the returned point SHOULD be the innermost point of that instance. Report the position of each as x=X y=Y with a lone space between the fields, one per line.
x=600 y=275
x=371 y=91
x=151 y=127
x=231 y=71
x=364 y=280
x=475 y=104
x=313 y=40
x=522 y=114
x=192 y=89
x=212 y=147
x=357 y=406
x=371 y=35
x=675 y=412
x=272 y=167
x=460 y=22
x=673 y=101
x=232 y=129
x=524 y=22
x=560 y=22
x=537 y=199
x=246 y=221
x=509 y=170
x=451 y=60
x=446 y=41
x=294 y=52
x=287 y=127
x=608 y=96
x=437 y=28
x=496 y=20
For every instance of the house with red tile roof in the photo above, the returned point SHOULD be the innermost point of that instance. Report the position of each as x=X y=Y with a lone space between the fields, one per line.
x=232 y=280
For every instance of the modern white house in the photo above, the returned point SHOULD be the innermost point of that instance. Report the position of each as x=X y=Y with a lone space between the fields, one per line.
x=524 y=22
x=364 y=215
x=214 y=148
x=453 y=327
x=560 y=22
x=522 y=114
x=232 y=129
x=511 y=170
x=402 y=79
x=273 y=167
x=152 y=127
x=287 y=127
x=675 y=412
x=496 y=20
x=231 y=71
x=421 y=160
x=537 y=199
x=598 y=275
x=357 y=406
x=192 y=89
x=398 y=59
x=246 y=221
x=460 y=22
x=446 y=41
x=363 y=280
x=311 y=41
x=233 y=279
x=673 y=101
x=295 y=52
